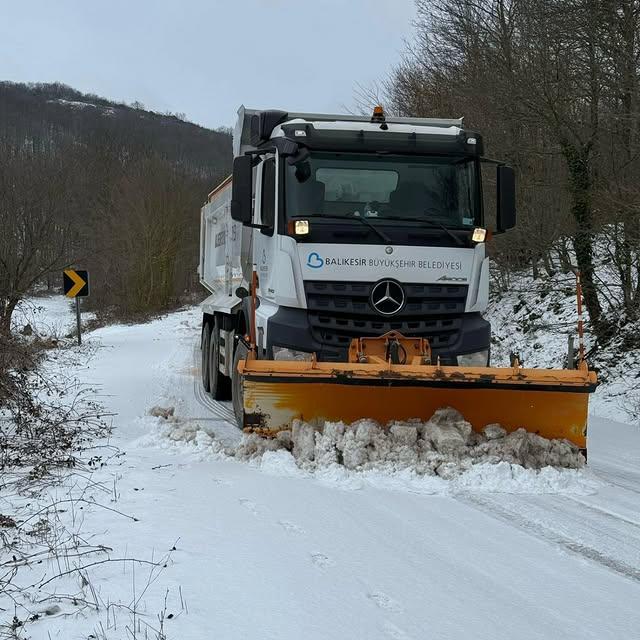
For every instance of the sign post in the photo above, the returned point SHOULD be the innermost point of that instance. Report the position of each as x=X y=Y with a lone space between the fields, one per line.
x=79 y=324
x=75 y=283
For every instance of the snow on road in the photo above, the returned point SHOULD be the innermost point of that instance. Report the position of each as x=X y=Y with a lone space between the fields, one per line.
x=267 y=551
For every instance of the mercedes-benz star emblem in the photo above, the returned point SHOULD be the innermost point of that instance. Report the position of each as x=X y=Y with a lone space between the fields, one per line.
x=387 y=297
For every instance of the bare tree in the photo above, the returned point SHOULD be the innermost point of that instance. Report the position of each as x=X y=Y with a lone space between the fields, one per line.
x=551 y=83
x=35 y=205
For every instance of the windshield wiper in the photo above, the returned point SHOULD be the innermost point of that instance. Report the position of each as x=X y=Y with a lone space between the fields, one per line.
x=366 y=222
x=432 y=224
x=383 y=236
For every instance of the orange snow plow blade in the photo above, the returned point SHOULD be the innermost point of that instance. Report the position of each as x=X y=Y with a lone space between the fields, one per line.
x=551 y=403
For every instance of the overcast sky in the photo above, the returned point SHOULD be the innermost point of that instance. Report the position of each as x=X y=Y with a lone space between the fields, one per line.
x=206 y=57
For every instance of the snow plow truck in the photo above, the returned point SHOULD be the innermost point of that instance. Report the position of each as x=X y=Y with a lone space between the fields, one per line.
x=347 y=266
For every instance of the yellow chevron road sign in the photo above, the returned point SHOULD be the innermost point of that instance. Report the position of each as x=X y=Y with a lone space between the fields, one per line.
x=75 y=283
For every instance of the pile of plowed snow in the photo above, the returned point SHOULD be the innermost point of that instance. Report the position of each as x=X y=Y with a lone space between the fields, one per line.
x=445 y=445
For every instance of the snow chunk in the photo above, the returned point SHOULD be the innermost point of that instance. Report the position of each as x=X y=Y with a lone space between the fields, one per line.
x=255 y=446
x=162 y=412
x=303 y=436
x=494 y=431
x=329 y=444
x=447 y=431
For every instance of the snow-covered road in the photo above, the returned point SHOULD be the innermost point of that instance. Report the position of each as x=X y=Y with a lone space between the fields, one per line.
x=271 y=552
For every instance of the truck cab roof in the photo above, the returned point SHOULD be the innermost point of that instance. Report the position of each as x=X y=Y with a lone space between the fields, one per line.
x=256 y=128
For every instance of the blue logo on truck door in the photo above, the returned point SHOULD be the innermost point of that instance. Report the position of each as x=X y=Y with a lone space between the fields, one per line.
x=314 y=260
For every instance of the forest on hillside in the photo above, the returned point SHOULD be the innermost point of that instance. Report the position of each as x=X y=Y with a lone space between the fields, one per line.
x=107 y=187
x=554 y=86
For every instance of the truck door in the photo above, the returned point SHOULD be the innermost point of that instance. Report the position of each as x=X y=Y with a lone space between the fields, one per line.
x=264 y=240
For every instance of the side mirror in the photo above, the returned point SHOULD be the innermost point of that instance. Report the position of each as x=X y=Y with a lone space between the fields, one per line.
x=301 y=155
x=506 y=200
x=242 y=190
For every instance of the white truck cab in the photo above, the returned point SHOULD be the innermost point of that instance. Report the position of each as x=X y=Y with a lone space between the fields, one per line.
x=355 y=226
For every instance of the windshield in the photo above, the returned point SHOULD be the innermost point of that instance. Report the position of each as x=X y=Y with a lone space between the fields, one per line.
x=441 y=190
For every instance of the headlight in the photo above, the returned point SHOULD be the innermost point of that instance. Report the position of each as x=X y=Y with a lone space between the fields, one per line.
x=479 y=234
x=477 y=359
x=284 y=353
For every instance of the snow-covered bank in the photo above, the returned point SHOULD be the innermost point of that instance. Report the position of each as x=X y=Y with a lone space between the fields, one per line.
x=265 y=549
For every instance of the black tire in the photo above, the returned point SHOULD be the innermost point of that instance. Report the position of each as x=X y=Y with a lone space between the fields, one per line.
x=219 y=384
x=204 y=355
x=236 y=383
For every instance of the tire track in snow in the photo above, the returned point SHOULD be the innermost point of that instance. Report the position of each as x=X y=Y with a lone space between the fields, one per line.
x=540 y=531
x=611 y=525
x=618 y=472
x=604 y=512
x=619 y=479
x=622 y=486
x=590 y=526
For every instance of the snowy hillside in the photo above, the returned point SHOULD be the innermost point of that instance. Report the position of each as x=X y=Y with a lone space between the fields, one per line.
x=190 y=542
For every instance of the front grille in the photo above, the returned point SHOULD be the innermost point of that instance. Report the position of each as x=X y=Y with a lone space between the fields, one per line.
x=340 y=311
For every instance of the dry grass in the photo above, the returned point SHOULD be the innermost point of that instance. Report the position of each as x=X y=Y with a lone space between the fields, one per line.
x=54 y=440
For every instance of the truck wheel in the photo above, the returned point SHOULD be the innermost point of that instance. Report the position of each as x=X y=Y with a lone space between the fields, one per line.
x=204 y=355
x=236 y=383
x=219 y=384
